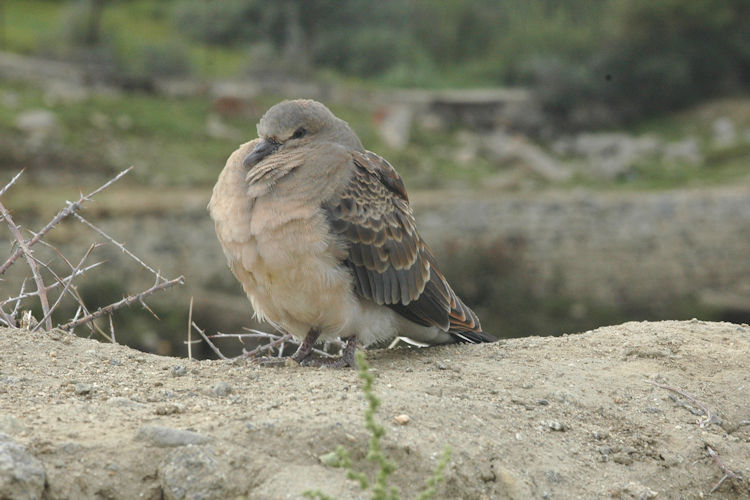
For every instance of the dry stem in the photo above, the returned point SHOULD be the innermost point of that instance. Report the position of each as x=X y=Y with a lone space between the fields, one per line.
x=70 y=208
x=124 y=302
x=12 y=181
x=24 y=248
x=704 y=408
x=65 y=288
x=728 y=473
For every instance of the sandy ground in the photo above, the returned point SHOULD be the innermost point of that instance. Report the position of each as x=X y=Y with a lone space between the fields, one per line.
x=569 y=417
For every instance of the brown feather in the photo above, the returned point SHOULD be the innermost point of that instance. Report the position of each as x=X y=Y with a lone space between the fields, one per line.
x=391 y=264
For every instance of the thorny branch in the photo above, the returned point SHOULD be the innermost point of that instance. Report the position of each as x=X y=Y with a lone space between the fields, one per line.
x=23 y=247
x=65 y=288
x=118 y=245
x=69 y=209
x=275 y=341
x=12 y=181
x=36 y=265
x=728 y=473
x=124 y=302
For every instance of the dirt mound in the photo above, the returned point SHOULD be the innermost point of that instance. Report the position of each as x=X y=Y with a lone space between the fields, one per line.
x=532 y=417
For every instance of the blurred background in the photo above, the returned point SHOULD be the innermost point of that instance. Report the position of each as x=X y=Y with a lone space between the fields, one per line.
x=572 y=164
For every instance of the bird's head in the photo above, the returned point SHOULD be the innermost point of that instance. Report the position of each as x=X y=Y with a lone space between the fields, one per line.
x=299 y=123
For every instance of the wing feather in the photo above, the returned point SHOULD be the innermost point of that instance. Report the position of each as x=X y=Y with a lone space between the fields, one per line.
x=390 y=263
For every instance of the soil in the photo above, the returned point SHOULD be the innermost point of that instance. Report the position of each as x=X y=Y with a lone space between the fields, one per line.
x=538 y=417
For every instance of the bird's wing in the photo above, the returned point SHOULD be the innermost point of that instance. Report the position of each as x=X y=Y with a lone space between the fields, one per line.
x=390 y=263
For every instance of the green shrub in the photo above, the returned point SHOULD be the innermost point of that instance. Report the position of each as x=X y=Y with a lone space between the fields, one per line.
x=224 y=23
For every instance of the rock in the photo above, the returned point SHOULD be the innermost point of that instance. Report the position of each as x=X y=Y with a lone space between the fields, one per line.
x=82 y=389
x=685 y=151
x=394 y=125
x=510 y=485
x=62 y=92
x=217 y=129
x=22 y=476
x=611 y=155
x=179 y=370
x=503 y=147
x=39 y=125
x=637 y=490
x=222 y=389
x=402 y=419
x=193 y=473
x=165 y=437
x=11 y=425
x=124 y=402
x=725 y=134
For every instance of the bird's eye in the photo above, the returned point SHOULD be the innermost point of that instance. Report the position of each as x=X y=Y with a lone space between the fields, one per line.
x=299 y=133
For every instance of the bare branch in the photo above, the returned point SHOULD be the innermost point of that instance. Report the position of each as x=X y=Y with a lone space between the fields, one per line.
x=124 y=302
x=704 y=408
x=12 y=181
x=65 y=288
x=18 y=303
x=32 y=264
x=119 y=245
x=190 y=330
x=70 y=208
x=112 y=329
x=208 y=341
x=18 y=298
x=728 y=473
x=6 y=318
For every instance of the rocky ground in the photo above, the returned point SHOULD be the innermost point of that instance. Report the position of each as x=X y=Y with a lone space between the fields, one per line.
x=576 y=416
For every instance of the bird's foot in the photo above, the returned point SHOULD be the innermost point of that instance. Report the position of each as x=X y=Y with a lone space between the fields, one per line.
x=345 y=360
x=300 y=355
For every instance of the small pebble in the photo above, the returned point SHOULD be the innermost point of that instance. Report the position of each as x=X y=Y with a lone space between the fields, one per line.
x=82 y=389
x=402 y=419
x=167 y=409
x=179 y=370
x=222 y=389
x=556 y=426
x=601 y=434
x=164 y=437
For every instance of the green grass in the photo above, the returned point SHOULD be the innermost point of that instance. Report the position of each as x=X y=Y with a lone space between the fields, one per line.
x=166 y=138
x=31 y=26
x=25 y=22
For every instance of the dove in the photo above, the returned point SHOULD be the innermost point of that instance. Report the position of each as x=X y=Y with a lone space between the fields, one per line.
x=321 y=236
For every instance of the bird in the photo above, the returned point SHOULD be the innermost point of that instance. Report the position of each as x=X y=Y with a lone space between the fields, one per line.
x=320 y=233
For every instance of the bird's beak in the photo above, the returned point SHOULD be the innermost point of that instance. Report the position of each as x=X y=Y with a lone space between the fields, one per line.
x=263 y=149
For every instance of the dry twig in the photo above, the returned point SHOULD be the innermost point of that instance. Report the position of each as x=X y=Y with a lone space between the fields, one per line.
x=12 y=181
x=24 y=248
x=190 y=330
x=709 y=417
x=65 y=288
x=208 y=341
x=70 y=208
x=119 y=245
x=124 y=302
x=82 y=315
x=728 y=473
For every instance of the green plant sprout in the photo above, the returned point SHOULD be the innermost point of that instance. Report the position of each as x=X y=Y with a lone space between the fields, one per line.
x=340 y=456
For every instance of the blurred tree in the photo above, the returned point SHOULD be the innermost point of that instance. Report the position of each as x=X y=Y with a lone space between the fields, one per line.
x=83 y=22
x=658 y=55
